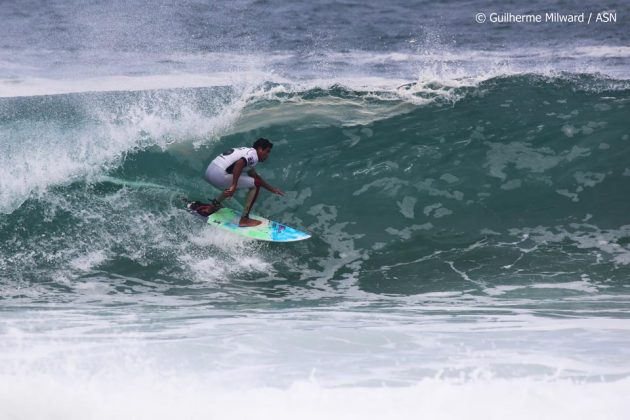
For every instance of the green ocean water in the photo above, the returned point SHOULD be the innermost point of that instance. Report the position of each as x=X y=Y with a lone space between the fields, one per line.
x=470 y=243
x=465 y=183
x=516 y=181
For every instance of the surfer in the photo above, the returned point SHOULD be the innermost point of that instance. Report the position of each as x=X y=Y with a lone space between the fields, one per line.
x=234 y=169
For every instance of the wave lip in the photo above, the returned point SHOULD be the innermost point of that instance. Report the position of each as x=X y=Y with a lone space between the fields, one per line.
x=48 y=141
x=39 y=86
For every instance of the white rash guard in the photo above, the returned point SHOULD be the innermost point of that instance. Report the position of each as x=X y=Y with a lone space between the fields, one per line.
x=219 y=172
x=228 y=159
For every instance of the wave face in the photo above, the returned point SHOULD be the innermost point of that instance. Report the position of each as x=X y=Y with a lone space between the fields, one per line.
x=436 y=212
x=465 y=186
x=515 y=182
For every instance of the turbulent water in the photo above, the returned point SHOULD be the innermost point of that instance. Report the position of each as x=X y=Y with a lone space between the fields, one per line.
x=466 y=187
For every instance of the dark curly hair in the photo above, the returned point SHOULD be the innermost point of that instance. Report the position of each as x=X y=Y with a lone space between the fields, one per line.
x=262 y=142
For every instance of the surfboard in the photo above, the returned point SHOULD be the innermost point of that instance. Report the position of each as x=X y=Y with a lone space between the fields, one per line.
x=227 y=219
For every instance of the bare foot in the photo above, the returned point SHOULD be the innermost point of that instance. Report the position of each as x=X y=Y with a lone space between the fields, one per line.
x=247 y=222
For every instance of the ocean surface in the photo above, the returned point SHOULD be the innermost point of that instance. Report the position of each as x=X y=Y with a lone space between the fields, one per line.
x=467 y=186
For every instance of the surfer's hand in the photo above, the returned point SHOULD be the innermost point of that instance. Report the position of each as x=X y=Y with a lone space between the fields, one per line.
x=277 y=191
x=229 y=192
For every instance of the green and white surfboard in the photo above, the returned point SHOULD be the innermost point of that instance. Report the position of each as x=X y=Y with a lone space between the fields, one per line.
x=227 y=219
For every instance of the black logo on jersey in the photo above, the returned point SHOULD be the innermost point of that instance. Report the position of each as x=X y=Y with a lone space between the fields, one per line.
x=227 y=152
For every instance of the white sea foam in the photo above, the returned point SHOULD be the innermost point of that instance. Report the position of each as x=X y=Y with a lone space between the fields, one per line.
x=39 y=155
x=198 y=363
x=228 y=255
x=86 y=262
x=584 y=236
x=41 y=86
x=156 y=397
x=582 y=285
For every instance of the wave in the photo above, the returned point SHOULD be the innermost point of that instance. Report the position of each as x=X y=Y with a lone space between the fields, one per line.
x=510 y=180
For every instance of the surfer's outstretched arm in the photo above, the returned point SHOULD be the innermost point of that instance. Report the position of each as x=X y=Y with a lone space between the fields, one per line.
x=264 y=183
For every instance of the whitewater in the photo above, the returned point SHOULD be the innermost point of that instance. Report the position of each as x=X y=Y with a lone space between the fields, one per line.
x=465 y=185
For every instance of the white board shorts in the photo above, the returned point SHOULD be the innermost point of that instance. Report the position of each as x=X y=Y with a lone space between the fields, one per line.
x=222 y=180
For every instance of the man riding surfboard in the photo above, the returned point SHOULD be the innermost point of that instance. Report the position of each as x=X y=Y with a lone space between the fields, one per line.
x=234 y=169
